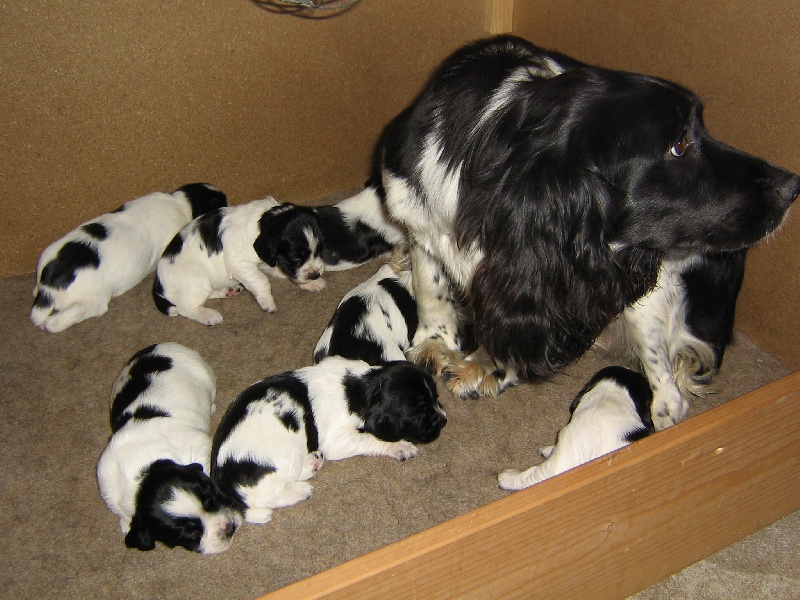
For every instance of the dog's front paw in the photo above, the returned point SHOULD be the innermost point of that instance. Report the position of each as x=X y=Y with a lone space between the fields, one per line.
x=315 y=285
x=434 y=355
x=402 y=450
x=667 y=411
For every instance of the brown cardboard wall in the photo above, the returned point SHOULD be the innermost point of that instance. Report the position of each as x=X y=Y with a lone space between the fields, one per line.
x=103 y=102
x=744 y=61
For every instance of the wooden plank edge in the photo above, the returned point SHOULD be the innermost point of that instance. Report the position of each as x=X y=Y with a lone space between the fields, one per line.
x=499 y=16
x=684 y=493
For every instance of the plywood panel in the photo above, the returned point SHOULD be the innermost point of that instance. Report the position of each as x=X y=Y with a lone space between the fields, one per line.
x=606 y=529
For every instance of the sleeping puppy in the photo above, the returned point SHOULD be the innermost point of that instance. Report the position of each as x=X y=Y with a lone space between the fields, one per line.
x=79 y=274
x=610 y=412
x=356 y=230
x=375 y=321
x=275 y=434
x=217 y=254
x=153 y=472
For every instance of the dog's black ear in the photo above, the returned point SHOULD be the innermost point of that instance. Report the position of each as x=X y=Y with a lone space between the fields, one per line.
x=381 y=421
x=139 y=537
x=269 y=227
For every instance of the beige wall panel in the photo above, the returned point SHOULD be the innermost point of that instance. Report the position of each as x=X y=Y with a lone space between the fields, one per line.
x=106 y=101
x=743 y=59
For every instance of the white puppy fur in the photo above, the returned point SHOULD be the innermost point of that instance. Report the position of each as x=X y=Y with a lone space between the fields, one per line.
x=153 y=474
x=214 y=256
x=275 y=434
x=611 y=411
x=80 y=273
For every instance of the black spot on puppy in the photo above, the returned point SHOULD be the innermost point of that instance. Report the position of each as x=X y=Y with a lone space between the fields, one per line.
x=62 y=270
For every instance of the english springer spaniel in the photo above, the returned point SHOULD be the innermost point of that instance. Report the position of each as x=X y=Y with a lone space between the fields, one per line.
x=375 y=321
x=153 y=473
x=277 y=433
x=356 y=230
x=610 y=412
x=217 y=254
x=551 y=197
x=79 y=274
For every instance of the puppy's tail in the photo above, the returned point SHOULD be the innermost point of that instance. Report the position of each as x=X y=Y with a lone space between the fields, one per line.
x=161 y=301
x=43 y=305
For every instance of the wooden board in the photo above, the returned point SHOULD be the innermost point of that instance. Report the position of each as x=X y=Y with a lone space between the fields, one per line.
x=499 y=16
x=608 y=528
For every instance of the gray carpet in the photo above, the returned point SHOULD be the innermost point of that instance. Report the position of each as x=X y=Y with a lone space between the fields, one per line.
x=61 y=541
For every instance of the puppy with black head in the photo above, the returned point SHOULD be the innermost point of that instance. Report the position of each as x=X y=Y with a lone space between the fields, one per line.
x=79 y=274
x=357 y=230
x=217 y=254
x=153 y=473
x=276 y=434
x=375 y=321
x=611 y=411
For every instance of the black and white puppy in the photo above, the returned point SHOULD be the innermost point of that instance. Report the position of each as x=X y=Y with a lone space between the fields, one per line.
x=610 y=412
x=375 y=321
x=153 y=473
x=356 y=230
x=217 y=254
x=79 y=274
x=555 y=196
x=276 y=434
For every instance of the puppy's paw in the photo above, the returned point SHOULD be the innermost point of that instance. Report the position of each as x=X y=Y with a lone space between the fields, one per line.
x=510 y=480
x=203 y=315
x=546 y=451
x=315 y=285
x=311 y=464
x=297 y=492
x=227 y=292
x=266 y=303
x=258 y=515
x=402 y=450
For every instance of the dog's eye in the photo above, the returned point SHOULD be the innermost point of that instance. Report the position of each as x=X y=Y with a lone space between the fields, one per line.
x=679 y=148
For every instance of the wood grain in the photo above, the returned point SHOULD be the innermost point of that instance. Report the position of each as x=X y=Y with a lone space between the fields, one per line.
x=499 y=16
x=608 y=528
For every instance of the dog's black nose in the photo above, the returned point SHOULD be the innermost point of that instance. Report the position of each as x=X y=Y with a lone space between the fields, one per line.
x=790 y=189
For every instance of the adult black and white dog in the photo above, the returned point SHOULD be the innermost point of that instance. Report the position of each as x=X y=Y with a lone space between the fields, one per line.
x=276 y=434
x=217 y=254
x=79 y=274
x=552 y=197
x=610 y=412
x=356 y=230
x=153 y=473
x=375 y=321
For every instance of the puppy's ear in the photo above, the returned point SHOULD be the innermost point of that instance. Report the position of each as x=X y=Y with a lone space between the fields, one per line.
x=139 y=537
x=271 y=226
x=381 y=421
